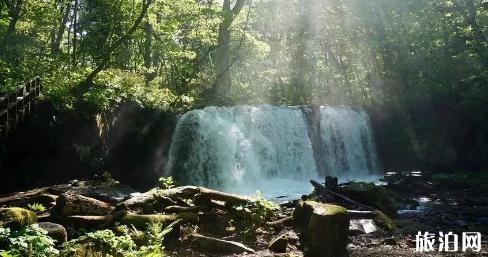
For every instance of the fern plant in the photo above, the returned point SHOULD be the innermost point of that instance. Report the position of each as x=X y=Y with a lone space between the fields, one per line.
x=36 y=207
x=29 y=241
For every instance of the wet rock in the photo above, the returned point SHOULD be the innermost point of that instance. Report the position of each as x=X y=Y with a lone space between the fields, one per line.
x=384 y=222
x=279 y=244
x=55 y=231
x=324 y=228
x=361 y=226
x=211 y=245
x=389 y=241
x=15 y=216
x=370 y=194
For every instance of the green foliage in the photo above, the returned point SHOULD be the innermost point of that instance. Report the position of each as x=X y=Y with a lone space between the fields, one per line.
x=26 y=241
x=167 y=182
x=107 y=243
x=37 y=207
x=114 y=86
x=104 y=241
x=254 y=215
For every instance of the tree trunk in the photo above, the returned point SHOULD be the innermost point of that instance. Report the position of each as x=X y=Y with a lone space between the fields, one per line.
x=14 y=8
x=9 y=32
x=147 y=45
x=479 y=39
x=75 y=31
x=58 y=37
x=223 y=78
x=106 y=58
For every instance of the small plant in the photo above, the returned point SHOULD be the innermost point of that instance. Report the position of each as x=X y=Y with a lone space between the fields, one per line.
x=167 y=182
x=102 y=241
x=26 y=241
x=37 y=207
x=254 y=215
x=107 y=243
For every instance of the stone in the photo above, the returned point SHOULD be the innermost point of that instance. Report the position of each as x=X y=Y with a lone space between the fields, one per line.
x=389 y=241
x=370 y=194
x=361 y=226
x=15 y=216
x=211 y=245
x=279 y=244
x=324 y=228
x=384 y=222
x=55 y=231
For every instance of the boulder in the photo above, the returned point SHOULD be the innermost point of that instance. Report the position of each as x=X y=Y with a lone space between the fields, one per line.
x=55 y=231
x=324 y=228
x=279 y=244
x=211 y=245
x=384 y=222
x=15 y=216
x=370 y=194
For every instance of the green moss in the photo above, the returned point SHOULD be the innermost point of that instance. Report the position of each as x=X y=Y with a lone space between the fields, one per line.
x=304 y=210
x=15 y=216
x=384 y=222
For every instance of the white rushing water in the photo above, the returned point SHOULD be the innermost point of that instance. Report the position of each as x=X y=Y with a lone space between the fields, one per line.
x=243 y=149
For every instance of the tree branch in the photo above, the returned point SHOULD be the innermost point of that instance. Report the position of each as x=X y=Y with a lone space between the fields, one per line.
x=120 y=41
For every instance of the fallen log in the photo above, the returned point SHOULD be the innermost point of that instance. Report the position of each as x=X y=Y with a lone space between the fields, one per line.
x=213 y=245
x=70 y=204
x=190 y=191
x=323 y=190
x=287 y=221
x=147 y=202
x=138 y=220
x=231 y=199
x=23 y=200
x=179 y=209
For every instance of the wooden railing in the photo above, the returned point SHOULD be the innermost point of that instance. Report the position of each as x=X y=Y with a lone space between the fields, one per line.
x=15 y=105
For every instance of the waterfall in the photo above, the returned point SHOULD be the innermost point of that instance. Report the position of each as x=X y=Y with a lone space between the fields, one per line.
x=246 y=147
x=347 y=143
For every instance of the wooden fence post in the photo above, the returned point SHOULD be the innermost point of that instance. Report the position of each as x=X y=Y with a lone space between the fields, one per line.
x=16 y=105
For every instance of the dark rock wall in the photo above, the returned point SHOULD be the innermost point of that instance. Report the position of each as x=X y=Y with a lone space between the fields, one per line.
x=54 y=146
x=452 y=137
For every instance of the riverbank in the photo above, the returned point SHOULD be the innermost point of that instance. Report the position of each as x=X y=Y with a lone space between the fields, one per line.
x=204 y=222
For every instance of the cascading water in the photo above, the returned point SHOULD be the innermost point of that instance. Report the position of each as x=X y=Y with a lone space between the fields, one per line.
x=347 y=143
x=244 y=148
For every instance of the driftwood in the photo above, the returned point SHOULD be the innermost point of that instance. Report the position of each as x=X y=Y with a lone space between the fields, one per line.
x=179 y=209
x=324 y=191
x=224 y=197
x=70 y=204
x=24 y=199
x=213 y=245
x=147 y=202
x=287 y=221
x=93 y=221
x=188 y=192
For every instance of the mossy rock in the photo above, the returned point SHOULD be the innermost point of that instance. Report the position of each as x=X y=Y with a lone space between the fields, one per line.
x=384 y=222
x=370 y=194
x=324 y=228
x=15 y=216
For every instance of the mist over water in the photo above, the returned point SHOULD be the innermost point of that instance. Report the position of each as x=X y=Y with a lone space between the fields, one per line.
x=243 y=149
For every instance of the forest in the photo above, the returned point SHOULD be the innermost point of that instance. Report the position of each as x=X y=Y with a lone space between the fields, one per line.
x=235 y=127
